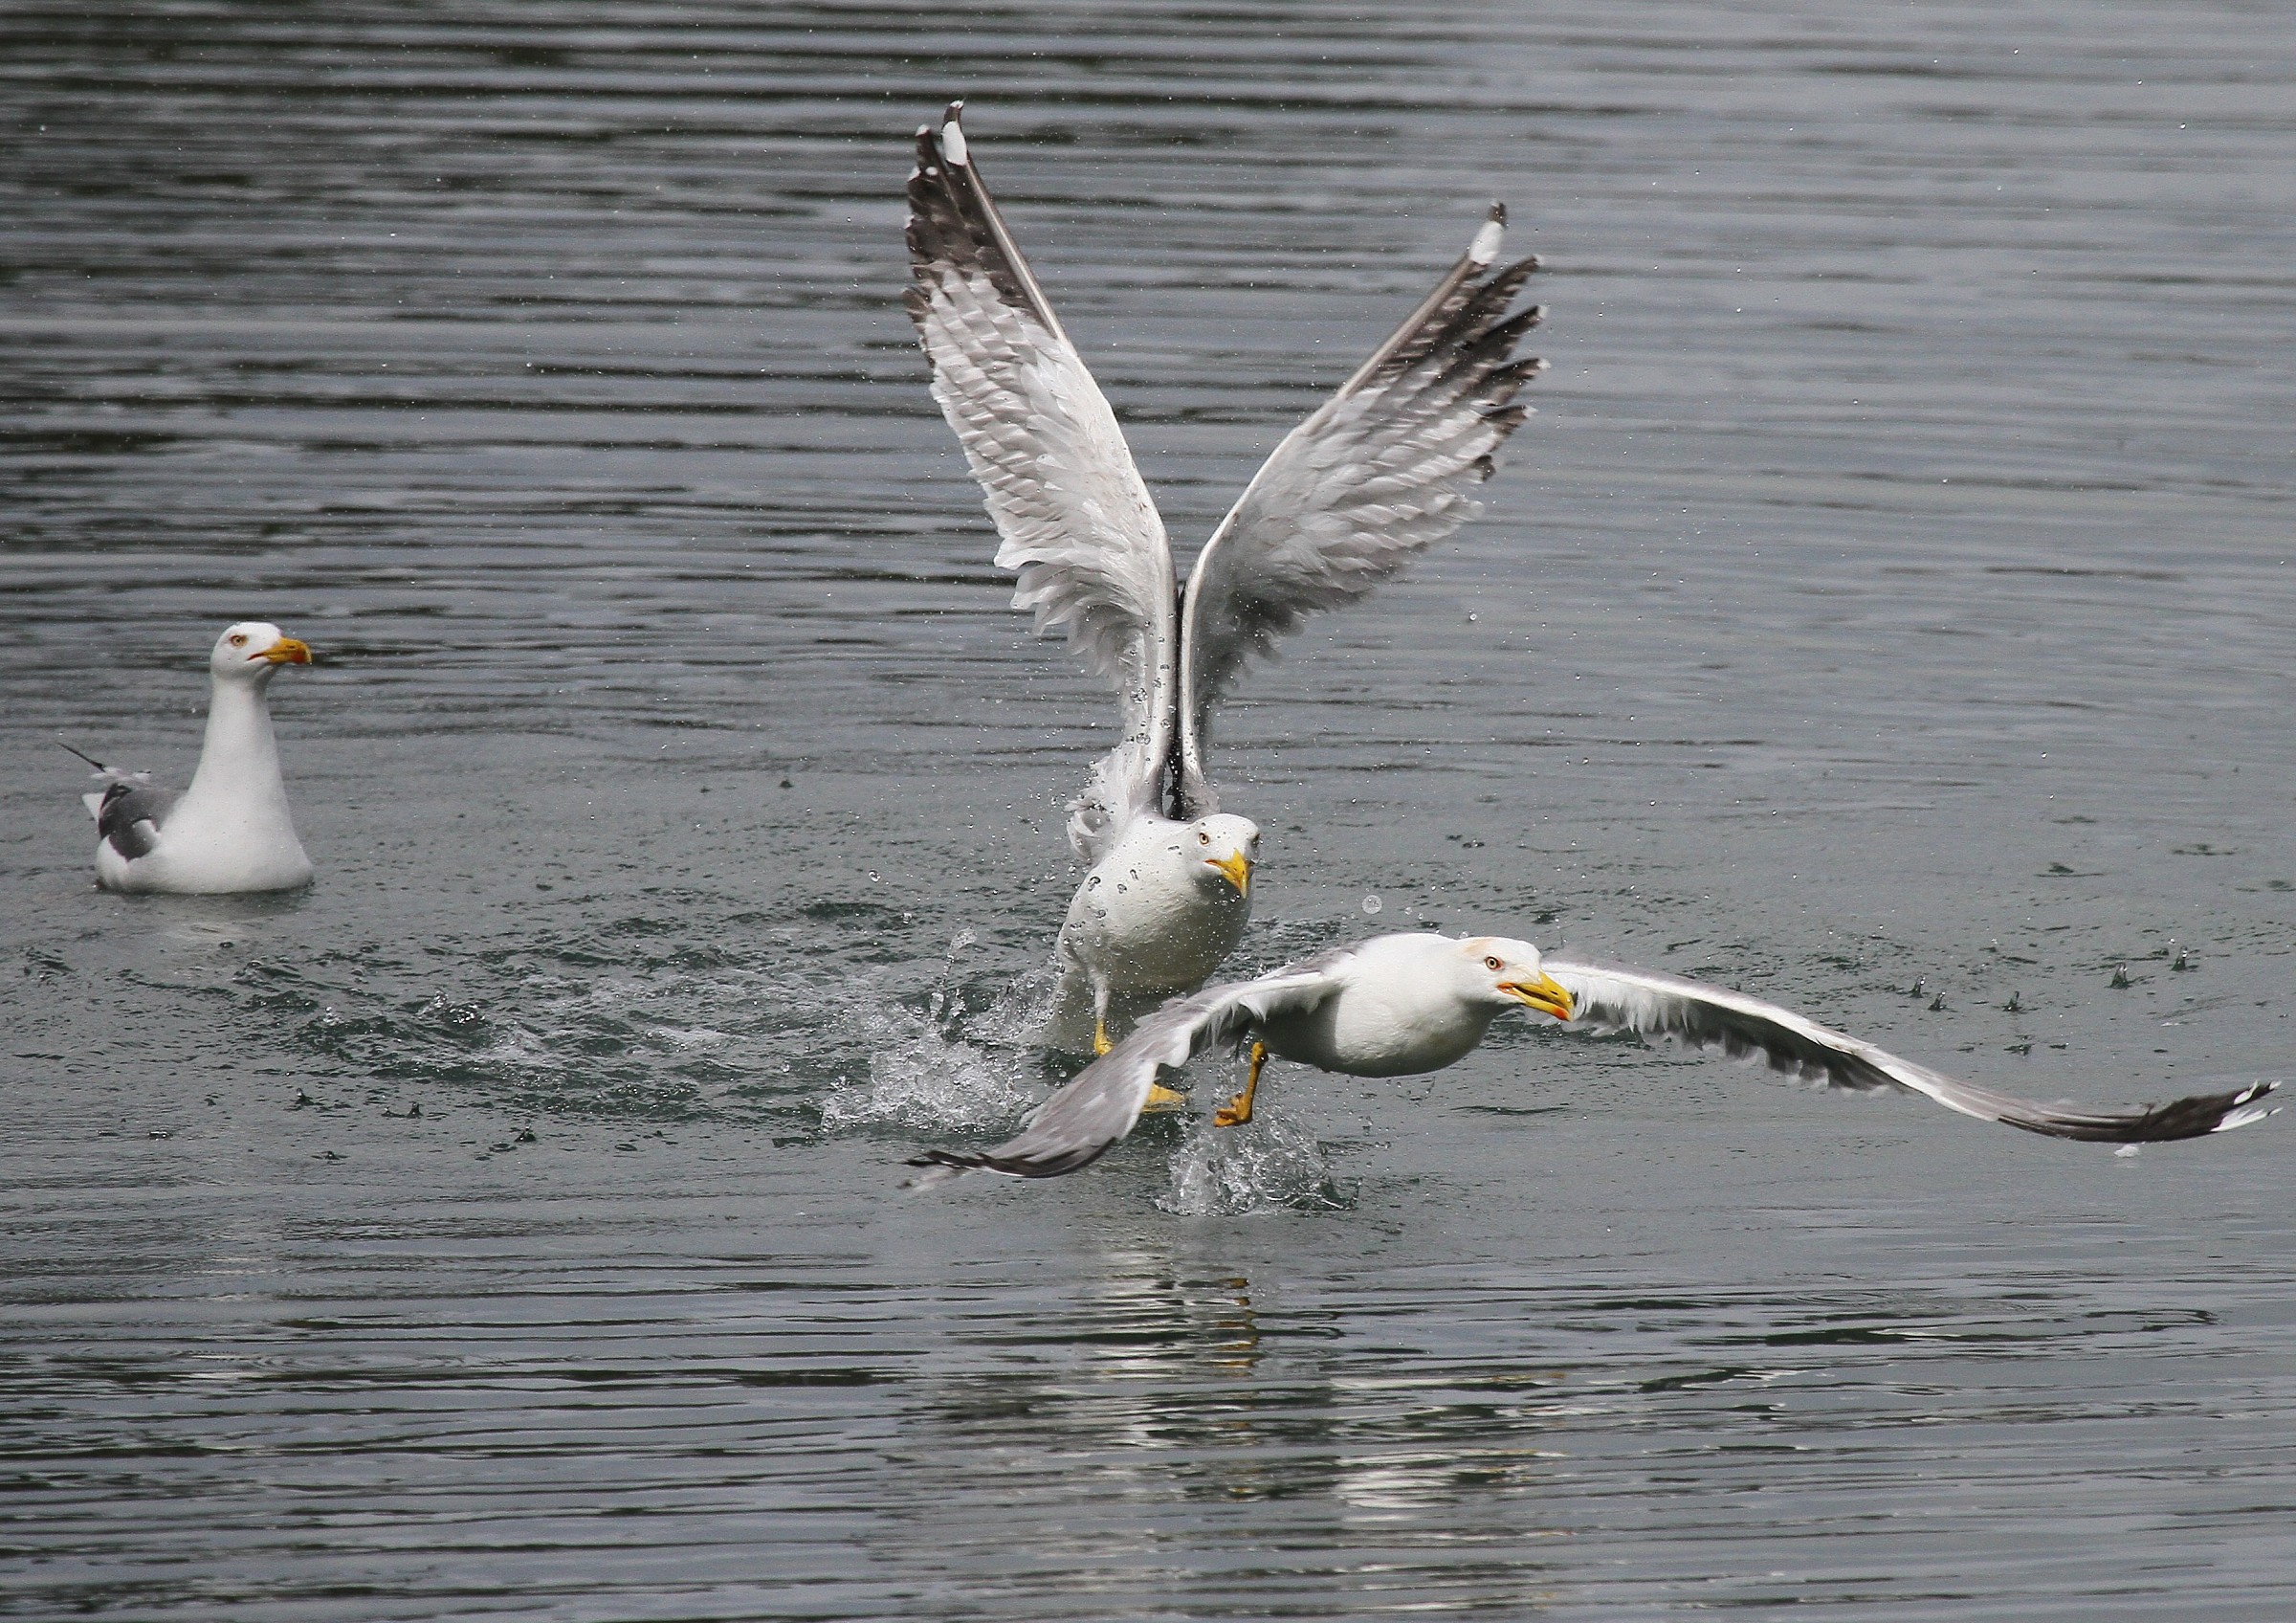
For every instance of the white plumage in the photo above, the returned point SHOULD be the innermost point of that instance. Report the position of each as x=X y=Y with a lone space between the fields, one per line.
x=1384 y=468
x=1402 y=1005
x=232 y=829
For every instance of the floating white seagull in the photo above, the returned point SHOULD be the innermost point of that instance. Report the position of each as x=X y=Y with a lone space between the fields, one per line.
x=1401 y=1005
x=231 y=830
x=1382 y=469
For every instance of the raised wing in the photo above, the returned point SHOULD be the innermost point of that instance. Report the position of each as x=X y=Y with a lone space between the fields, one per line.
x=1076 y=1125
x=1075 y=521
x=1652 y=1005
x=1384 y=468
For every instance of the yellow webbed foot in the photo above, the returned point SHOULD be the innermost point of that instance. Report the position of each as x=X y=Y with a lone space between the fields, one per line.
x=1237 y=1111
x=1161 y=1098
x=1101 y=1043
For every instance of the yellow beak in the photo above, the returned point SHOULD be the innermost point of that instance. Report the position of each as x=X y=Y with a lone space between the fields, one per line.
x=1546 y=994
x=287 y=651
x=1235 y=869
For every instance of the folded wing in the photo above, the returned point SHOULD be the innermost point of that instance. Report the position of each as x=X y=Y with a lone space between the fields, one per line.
x=1652 y=1005
x=1077 y=1124
x=1384 y=468
x=129 y=816
x=1076 y=520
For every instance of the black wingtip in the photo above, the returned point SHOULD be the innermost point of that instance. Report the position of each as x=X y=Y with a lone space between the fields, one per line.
x=946 y=1158
x=1013 y=1165
x=2191 y=1118
x=2245 y=1108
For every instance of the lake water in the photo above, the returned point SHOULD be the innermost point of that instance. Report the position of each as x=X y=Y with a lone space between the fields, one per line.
x=1889 y=612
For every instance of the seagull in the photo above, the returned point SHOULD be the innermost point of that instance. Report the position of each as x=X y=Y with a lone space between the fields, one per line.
x=231 y=830
x=1383 y=469
x=1403 y=1005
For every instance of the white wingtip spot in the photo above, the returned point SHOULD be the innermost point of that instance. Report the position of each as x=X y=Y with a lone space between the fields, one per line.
x=1486 y=246
x=952 y=143
x=2249 y=1111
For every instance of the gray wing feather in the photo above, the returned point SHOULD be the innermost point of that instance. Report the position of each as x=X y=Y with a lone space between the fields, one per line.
x=1383 y=469
x=1609 y=997
x=1077 y=1124
x=130 y=817
x=1075 y=521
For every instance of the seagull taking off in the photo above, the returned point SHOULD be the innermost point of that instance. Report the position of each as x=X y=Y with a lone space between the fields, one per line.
x=1381 y=470
x=231 y=830
x=1401 y=1005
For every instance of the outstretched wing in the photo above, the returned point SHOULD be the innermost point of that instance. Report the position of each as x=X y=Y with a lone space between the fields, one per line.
x=1075 y=521
x=1384 y=468
x=1610 y=998
x=1076 y=1125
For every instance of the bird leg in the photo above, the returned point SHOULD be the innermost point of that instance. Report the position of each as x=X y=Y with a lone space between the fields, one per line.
x=1238 y=1110
x=1161 y=1098
x=1102 y=1042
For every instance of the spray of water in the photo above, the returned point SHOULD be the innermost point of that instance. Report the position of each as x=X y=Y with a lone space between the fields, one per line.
x=1271 y=1164
x=944 y=1068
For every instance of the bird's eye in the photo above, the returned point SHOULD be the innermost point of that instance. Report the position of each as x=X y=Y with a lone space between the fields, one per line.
x=1492 y=964
x=1203 y=838
x=239 y=641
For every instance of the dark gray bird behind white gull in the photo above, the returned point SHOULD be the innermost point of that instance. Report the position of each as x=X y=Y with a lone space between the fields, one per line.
x=1402 y=1005
x=232 y=829
x=1382 y=469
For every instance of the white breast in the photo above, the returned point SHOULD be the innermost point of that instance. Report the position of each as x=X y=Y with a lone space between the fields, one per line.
x=1145 y=922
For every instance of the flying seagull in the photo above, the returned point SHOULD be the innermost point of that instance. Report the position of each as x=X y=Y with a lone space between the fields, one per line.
x=1381 y=470
x=231 y=830
x=1402 y=1005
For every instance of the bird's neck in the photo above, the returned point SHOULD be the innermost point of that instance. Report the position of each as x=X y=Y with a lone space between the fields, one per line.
x=240 y=756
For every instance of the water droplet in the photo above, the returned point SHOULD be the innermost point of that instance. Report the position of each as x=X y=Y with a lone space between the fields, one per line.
x=1372 y=904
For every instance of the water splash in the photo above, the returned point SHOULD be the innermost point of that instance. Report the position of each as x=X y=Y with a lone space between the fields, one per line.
x=948 y=1067
x=1272 y=1163
x=933 y=1082
x=655 y=1043
x=636 y=1017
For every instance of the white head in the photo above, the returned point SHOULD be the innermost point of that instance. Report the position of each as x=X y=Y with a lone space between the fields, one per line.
x=1498 y=970
x=253 y=651
x=1223 y=849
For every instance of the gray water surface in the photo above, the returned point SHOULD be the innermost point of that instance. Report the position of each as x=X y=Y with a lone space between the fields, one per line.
x=1889 y=612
